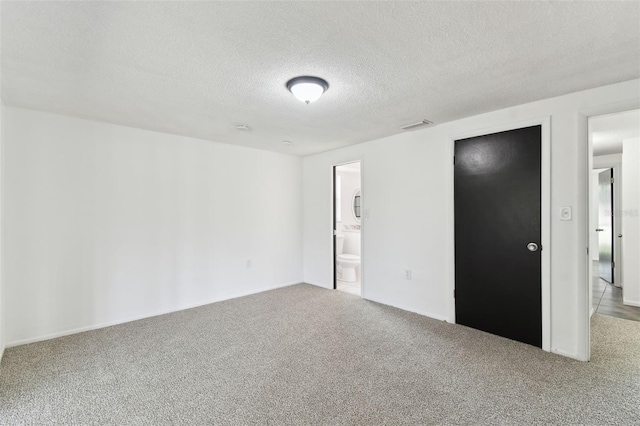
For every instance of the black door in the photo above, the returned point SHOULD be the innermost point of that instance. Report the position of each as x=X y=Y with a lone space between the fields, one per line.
x=497 y=234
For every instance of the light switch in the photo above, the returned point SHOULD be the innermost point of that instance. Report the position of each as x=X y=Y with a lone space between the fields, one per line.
x=565 y=213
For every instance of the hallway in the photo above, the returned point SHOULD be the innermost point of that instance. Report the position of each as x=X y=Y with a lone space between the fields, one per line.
x=607 y=299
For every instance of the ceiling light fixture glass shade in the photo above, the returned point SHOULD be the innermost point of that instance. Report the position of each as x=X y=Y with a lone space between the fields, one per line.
x=307 y=89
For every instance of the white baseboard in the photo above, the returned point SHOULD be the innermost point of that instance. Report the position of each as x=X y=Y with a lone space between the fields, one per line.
x=1 y=353
x=404 y=308
x=630 y=302
x=564 y=353
x=139 y=317
x=415 y=311
x=593 y=311
x=330 y=286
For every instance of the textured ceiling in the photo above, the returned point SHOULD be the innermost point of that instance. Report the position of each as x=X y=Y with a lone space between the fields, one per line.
x=200 y=68
x=608 y=131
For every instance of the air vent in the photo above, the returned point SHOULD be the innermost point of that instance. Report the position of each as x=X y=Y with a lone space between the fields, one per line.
x=417 y=125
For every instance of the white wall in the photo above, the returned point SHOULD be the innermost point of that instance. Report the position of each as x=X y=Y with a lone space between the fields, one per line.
x=408 y=193
x=108 y=223
x=602 y=161
x=593 y=219
x=631 y=221
x=2 y=333
x=2 y=309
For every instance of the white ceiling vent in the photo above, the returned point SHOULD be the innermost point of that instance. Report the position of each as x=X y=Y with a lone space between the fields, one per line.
x=415 y=126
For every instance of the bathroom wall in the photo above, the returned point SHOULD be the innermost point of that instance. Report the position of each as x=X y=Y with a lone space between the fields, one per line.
x=350 y=182
x=108 y=223
x=408 y=194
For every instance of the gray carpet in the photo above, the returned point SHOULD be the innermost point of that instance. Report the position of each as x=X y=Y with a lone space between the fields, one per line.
x=305 y=355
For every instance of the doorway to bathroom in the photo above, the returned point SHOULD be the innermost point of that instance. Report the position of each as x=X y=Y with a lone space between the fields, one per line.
x=347 y=227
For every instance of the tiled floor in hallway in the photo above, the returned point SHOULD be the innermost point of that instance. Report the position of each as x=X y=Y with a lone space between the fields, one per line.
x=607 y=299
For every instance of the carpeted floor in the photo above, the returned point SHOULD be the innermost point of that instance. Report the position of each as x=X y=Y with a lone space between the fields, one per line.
x=305 y=355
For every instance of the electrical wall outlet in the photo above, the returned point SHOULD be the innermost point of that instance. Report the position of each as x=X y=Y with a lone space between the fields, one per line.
x=407 y=274
x=249 y=263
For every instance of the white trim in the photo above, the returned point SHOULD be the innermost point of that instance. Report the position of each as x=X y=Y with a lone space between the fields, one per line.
x=545 y=215
x=328 y=287
x=593 y=311
x=344 y=163
x=630 y=302
x=415 y=311
x=451 y=301
x=363 y=212
x=3 y=304
x=546 y=232
x=584 y=293
x=564 y=353
x=144 y=316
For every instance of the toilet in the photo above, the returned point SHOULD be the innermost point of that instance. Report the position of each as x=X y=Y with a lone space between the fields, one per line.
x=347 y=263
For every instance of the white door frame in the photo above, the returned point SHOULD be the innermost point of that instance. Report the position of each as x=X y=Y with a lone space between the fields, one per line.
x=362 y=219
x=545 y=212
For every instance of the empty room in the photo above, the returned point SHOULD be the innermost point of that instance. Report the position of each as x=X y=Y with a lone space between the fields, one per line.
x=316 y=212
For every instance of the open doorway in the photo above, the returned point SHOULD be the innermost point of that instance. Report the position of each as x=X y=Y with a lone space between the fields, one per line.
x=347 y=228
x=614 y=215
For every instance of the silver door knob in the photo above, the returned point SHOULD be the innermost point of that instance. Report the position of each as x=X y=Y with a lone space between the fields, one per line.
x=532 y=247
x=619 y=235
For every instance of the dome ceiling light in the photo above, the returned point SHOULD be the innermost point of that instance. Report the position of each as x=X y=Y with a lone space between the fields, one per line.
x=307 y=89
